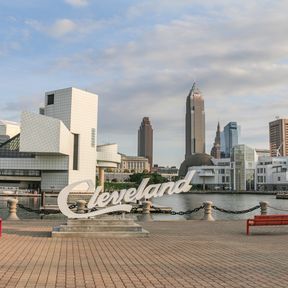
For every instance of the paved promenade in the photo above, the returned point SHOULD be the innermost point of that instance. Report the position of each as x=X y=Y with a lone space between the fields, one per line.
x=177 y=254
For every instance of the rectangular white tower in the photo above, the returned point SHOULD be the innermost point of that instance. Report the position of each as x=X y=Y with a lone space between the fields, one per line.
x=78 y=110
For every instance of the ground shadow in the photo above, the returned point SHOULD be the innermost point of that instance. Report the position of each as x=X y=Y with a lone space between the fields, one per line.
x=14 y=231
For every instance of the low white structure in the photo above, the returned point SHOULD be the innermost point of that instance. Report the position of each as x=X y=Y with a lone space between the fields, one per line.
x=58 y=147
x=245 y=171
x=216 y=177
x=8 y=129
x=272 y=173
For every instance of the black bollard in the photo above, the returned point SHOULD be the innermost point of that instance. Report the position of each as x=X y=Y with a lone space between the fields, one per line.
x=42 y=204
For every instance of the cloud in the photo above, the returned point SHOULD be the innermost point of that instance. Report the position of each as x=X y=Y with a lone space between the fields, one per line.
x=57 y=29
x=77 y=3
x=64 y=29
x=61 y=28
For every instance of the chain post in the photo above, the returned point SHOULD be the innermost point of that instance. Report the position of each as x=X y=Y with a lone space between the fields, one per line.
x=208 y=211
x=12 y=204
x=81 y=206
x=263 y=207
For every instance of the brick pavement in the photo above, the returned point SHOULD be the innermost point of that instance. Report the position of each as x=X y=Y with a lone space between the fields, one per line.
x=177 y=254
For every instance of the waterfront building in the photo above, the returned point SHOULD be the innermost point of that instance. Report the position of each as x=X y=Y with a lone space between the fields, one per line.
x=132 y=164
x=245 y=171
x=165 y=170
x=198 y=159
x=195 y=123
x=8 y=129
x=145 y=141
x=215 y=151
x=272 y=173
x=278 y=136
x=57 y=147
x=211 y=173
x=231 y=137
x=243 y=162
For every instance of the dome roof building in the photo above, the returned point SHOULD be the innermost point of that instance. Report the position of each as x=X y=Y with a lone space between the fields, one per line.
x=198 y=159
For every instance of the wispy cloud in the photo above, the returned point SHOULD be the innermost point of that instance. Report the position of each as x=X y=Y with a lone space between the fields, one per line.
x=77 y=3
x=66 y=28
x=61 y=28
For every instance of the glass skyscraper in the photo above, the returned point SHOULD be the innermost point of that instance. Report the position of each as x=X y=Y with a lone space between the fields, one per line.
x=231 y=137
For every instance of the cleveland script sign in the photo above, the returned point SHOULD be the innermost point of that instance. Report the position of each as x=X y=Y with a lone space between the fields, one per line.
x=112 y=202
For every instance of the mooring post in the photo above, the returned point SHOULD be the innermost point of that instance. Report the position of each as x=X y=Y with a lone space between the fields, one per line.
x=208 y=211
x=263 y=207
x=81 y=206
x=12 y=204
x=147 y=207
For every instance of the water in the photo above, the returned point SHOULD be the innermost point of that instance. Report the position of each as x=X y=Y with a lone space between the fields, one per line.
x=178 y=202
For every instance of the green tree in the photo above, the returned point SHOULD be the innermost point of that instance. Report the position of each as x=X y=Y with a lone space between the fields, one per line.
x=155 y=178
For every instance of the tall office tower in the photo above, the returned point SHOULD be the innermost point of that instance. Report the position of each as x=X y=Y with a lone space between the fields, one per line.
x=278 y=135
x=195 y=123
x=215 y=151
x=145 y=140
x=231 y=134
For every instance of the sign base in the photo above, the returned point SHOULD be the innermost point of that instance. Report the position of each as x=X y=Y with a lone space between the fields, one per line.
x=100 y=227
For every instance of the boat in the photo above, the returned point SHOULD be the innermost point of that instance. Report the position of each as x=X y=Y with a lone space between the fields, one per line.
x=8 y=192
x=282 y=195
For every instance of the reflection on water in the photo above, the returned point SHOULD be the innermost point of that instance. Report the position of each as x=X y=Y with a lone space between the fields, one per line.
x=178 y=202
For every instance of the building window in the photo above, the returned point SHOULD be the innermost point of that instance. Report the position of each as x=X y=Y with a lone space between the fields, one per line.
x=93 y=137
x=75 y=151
x=279 y=178
x=50 y=99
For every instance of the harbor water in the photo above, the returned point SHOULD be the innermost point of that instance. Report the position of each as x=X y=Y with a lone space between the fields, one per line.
x=178 y=202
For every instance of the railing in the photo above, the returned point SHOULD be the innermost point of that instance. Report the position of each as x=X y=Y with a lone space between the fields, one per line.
x=80 y=206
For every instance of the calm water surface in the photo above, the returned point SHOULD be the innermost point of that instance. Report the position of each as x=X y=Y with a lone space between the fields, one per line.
x=178 y=202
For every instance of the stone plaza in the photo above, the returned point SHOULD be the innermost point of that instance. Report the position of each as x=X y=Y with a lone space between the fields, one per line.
x=176 y=254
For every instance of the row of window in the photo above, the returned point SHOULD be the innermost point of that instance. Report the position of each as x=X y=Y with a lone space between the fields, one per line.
x=18 y=172
x=261 y=179
x=261 y=170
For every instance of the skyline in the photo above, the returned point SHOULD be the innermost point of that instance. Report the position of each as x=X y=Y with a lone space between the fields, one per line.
x=142 y=57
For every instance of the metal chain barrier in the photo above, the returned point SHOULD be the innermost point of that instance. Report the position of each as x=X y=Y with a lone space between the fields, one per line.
x=43 y=211
x=235 y=211
x=278 y=209
x=158 y=210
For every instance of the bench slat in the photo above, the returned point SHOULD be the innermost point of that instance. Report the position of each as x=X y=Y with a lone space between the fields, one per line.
x=269 y=220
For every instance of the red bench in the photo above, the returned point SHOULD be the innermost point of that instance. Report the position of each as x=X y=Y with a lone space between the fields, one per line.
x=0 y=227
x=267 y=220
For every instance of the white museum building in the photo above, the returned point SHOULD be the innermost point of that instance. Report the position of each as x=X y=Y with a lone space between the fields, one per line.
x=58 y=146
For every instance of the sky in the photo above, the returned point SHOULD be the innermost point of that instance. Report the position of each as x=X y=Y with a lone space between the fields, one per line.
x=142 y=57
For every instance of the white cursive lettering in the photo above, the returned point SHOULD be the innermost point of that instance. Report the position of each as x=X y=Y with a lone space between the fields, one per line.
x=131 y=195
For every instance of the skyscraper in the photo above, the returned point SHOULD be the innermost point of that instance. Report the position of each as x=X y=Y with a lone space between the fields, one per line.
x=278 y=136
x=231 y=135
x=195 y=123
x=145 y=140
x=215 y=151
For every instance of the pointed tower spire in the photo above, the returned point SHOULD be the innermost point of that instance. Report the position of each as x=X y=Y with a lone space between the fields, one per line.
x=215 y=151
